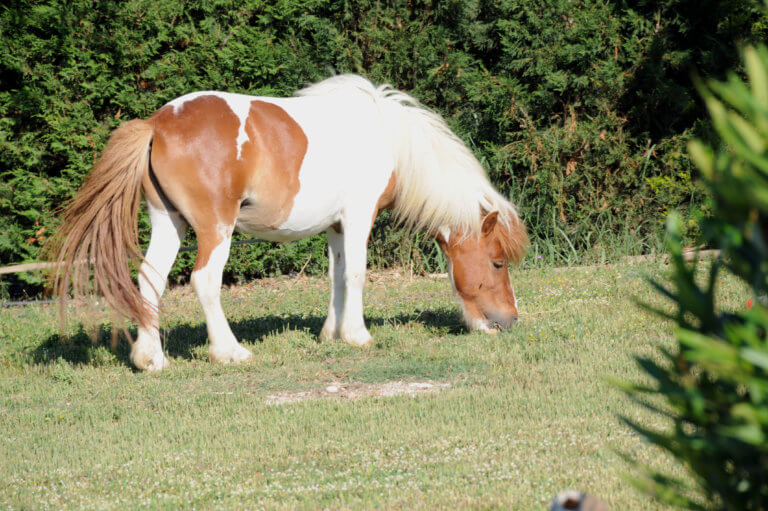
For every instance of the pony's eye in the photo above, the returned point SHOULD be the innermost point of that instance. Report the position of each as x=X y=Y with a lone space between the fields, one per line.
x=498 y=264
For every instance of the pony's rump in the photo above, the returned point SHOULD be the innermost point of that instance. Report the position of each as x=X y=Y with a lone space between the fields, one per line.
x=97 y=238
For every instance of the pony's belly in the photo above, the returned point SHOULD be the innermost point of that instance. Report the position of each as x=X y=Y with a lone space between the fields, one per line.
x=301 y=223
x=282 y=234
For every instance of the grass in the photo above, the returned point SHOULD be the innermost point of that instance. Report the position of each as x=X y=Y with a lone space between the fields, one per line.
x=527 y=414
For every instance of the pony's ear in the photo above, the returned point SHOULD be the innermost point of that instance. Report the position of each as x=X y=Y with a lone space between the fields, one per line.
x=489 y=222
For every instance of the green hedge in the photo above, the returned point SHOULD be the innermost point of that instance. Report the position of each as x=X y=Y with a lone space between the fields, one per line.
x=580 y=109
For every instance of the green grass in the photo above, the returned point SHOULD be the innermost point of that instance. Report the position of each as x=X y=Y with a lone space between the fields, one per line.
x=527 y=414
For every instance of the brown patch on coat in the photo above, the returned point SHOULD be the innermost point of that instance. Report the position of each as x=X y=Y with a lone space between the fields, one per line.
x=195 y=162
x=275 y=150
x=386 y=200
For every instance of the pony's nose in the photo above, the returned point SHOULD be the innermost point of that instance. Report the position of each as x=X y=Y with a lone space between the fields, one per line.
x=503 y=323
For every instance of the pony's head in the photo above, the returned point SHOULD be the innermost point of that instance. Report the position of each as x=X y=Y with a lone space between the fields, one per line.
x=477 y=266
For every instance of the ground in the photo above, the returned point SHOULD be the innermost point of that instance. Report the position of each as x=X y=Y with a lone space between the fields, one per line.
x=430 y=417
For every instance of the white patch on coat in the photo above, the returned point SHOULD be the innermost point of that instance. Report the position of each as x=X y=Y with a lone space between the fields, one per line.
x=345 y=170
x=225 y=230
x=207 y=283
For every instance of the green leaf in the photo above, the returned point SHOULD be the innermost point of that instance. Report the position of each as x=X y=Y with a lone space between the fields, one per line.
x=703 y=156
x=758 y=75
x=759 y=358
x=754 y=140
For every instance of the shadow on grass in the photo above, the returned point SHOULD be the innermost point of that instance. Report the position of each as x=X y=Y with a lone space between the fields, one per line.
x=92 y=347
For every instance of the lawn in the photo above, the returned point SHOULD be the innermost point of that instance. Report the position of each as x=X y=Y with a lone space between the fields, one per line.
x=508 y=421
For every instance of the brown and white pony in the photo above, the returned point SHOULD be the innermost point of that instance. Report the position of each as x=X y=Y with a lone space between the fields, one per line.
x=281 y=169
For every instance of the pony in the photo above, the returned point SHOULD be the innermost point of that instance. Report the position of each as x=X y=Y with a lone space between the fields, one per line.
x=330 y=158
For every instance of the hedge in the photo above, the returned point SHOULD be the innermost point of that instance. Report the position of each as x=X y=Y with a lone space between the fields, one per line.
x=579 y=109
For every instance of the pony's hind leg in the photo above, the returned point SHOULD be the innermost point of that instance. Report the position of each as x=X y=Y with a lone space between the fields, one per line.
x=168 y=229
x=212 y=254
x=330 y=329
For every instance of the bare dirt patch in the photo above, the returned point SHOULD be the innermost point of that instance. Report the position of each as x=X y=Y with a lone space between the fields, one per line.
x=352 y=391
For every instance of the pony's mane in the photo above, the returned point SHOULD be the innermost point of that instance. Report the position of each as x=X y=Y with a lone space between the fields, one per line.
x=513 y=238
x=439 y=182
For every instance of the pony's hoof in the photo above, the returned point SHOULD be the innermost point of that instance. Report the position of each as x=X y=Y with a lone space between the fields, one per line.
x=360 y=338
x=328 y=333
x=147 y=360
x=233 y=354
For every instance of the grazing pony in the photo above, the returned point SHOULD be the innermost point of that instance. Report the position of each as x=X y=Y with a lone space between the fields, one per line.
x=329 y=159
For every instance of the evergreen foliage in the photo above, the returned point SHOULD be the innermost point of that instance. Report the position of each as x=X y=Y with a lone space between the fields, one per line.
x=715 y=385
x=580 y=110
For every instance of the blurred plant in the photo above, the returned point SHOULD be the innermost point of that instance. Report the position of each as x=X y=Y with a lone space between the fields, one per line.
x=714 y=385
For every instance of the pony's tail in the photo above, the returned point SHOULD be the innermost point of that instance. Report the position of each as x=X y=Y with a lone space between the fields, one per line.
x=97 y=240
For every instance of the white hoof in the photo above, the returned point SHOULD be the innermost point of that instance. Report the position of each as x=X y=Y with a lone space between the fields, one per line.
x=148 y=358
x=329 y=332
x=359 y=337
x=229 y=354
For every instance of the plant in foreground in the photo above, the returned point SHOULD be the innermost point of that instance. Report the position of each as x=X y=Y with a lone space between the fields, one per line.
x=714 y=384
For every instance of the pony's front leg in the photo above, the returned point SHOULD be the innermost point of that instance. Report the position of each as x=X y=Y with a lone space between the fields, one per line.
x=330 y=329
x=355 y=239
x=212 y=254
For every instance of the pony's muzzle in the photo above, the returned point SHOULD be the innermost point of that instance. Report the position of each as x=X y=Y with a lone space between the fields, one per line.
x=502 y=323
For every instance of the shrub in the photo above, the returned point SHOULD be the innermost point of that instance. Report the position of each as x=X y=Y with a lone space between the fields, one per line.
x=714 y=386
x=580 y=110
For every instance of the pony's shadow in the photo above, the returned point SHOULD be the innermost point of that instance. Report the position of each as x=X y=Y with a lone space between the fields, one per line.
x=184 y=340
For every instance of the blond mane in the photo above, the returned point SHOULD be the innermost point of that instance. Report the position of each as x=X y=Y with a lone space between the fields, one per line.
x=439 y=182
